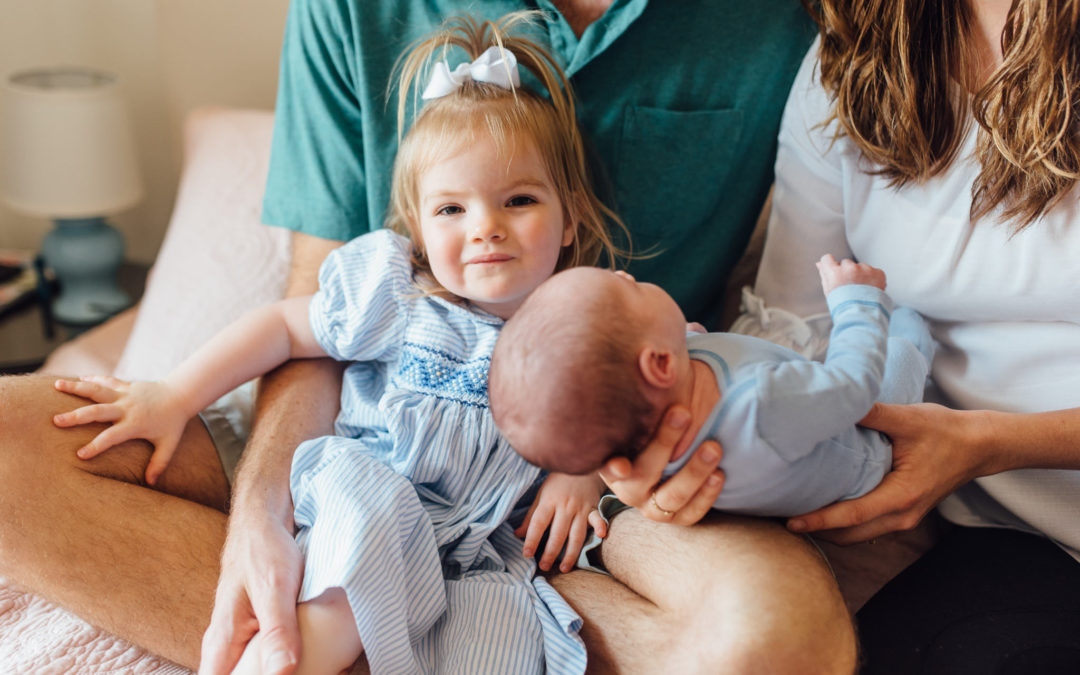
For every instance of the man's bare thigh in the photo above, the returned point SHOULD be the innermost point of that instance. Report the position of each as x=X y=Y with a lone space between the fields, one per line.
x=28 y=438
x=705 y=592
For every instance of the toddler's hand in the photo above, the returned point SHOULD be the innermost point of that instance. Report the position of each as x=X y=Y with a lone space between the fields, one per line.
x=568 y=505
x=136 y=410
x=835 y=274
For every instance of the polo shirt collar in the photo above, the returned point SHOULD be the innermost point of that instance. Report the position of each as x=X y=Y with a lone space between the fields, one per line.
x=575 y=53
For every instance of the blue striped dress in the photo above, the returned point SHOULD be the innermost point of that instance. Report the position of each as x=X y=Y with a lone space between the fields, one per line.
x=406 y=508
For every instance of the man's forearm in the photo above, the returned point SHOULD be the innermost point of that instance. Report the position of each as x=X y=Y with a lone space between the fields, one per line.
x=296 y=402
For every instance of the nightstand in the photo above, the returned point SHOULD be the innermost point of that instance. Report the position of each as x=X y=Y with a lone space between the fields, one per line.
x=24 y=339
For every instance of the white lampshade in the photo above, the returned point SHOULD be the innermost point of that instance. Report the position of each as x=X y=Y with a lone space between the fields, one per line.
x=66 y=142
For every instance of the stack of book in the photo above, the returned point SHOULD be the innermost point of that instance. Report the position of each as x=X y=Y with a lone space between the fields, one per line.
x=19 y=279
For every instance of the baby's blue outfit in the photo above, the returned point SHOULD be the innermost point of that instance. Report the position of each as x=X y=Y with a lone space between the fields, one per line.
x=406 y=508
x=788 y=424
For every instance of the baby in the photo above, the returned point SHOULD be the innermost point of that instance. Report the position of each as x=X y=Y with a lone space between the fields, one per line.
x=587 y=366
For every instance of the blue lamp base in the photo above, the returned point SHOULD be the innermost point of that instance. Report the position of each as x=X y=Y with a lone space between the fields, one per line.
x=85 y=254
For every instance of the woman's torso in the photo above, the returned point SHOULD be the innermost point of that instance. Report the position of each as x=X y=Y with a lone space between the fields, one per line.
x=1003 y=303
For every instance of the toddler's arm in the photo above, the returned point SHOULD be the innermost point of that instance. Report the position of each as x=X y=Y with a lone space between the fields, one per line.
x=158 y=411
x=568 y=505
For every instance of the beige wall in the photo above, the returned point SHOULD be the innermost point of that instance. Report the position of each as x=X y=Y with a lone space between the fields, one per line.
x=172 y=55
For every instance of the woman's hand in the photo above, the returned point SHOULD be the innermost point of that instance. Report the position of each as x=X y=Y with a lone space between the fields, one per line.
x=147 y=410
x=935 y=451
x=682 y=499
x=566 y=504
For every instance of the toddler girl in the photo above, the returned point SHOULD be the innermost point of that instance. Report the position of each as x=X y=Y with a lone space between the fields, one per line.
x=402 y=516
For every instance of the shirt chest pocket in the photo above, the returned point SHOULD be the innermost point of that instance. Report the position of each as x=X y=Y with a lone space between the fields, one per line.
x=671 y=169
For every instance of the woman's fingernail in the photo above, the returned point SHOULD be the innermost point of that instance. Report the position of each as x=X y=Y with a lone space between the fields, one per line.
x=83 y=452
x=679 y=419
x=710 y=456
x=713 y=480
x=796 y=525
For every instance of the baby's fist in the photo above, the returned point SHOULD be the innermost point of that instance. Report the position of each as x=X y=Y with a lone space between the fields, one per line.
x=835 y=274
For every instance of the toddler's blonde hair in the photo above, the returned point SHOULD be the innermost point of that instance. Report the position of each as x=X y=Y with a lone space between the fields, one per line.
x=450 y=123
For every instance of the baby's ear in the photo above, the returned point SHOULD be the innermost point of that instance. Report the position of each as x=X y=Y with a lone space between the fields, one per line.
x=658 y=367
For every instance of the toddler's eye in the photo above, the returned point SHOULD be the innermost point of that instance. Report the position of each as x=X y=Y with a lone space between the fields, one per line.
x=521 y=200
x=449 y=210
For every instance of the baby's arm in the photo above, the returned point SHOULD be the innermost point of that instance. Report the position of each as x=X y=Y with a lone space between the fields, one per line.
x=835 y=274
x=568 y=505
x=158 y=411
x=803 y=402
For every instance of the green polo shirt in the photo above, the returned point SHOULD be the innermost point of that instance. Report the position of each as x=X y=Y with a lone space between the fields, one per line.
x=679 y=101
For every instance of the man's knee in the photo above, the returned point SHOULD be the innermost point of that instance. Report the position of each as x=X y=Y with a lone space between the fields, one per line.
x=38 y=458
x=738 y=595
x=781 y=613
x=31 y=444
x=27 y=434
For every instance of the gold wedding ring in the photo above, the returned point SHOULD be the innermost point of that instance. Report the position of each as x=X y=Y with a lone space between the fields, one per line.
x=652 y=500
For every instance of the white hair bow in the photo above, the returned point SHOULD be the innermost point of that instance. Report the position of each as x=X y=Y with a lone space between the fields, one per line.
x=496 y=66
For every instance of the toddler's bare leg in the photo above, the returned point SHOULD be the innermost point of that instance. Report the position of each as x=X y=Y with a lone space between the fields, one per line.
x=327 y=633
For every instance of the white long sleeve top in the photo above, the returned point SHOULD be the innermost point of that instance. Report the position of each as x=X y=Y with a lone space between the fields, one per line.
x=1004 y=305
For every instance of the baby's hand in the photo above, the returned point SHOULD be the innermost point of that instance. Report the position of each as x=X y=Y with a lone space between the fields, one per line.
x=135 y=409
x=835 y=274
x=568 y=505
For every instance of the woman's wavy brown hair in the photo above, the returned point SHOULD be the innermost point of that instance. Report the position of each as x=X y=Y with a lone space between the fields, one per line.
x=451 y=123
x=900 y=71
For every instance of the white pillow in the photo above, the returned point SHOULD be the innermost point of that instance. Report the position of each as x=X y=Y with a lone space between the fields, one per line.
x=217 y=260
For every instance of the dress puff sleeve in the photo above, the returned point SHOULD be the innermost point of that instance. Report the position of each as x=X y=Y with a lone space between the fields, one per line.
x=359 y=312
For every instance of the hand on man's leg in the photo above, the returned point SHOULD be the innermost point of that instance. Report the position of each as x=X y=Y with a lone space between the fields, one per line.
x=730 y=594
x=86 y=534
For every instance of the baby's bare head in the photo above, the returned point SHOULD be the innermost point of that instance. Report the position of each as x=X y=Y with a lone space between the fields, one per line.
x=564 y=384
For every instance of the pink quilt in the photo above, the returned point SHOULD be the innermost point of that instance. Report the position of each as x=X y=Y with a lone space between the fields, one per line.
x=39 y=637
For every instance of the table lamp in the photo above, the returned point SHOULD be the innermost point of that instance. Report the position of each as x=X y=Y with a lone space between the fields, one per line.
x=67 y=153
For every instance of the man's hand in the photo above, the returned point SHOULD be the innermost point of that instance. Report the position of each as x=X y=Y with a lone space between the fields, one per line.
x=835 y=274
x=261 y=566
x=684 y=498
x=261 y=569
x=566 y=504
